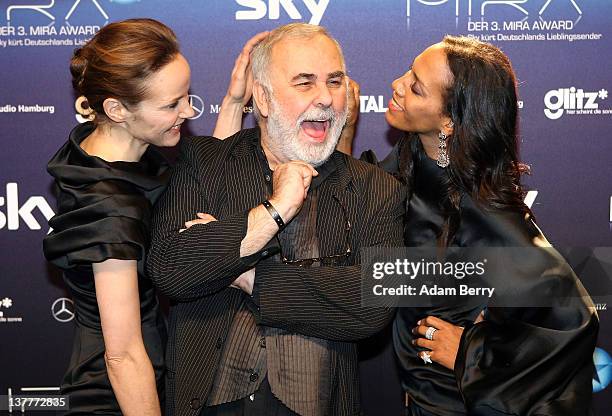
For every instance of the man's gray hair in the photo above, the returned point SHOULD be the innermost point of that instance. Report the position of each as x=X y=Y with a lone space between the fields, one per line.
x=262 y=53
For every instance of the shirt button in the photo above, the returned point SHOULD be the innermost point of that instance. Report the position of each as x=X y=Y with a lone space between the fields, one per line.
x=195 y=403
x=268 y=178
x=219 y=343
x=262 y=342
x=264 y=253
x=253 y=377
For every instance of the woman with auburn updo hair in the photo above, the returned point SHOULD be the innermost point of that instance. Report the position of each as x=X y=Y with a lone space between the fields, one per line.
x=507 y=354
x=133 y=82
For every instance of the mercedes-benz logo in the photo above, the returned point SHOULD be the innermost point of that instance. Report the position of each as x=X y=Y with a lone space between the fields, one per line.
x=63 y=310
x=197 y=104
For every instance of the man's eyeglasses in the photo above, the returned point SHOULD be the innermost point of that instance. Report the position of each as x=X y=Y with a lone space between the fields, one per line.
x=332 y=259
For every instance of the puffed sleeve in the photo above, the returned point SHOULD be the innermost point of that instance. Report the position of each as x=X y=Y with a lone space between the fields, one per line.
x=104 y=208
x=111 y=226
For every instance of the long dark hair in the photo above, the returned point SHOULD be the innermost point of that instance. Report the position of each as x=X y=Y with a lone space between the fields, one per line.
x=481 y=100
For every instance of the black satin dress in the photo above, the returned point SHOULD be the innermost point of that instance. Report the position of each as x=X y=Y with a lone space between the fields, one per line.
x=519 y=361
x=104 y=211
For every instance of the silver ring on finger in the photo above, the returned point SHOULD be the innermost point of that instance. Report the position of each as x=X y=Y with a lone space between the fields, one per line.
x=429 y=334
x=426 y=357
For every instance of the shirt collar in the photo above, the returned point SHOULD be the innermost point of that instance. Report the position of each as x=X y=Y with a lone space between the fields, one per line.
x=328 y=167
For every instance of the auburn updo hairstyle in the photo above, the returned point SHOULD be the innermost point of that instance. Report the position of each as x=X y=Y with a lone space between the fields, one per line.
x=117 y=61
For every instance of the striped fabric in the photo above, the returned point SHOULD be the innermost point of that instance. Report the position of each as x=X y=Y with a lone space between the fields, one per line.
x=243 y=364
x=194 y=268
x=299 y=239
x=300 y=374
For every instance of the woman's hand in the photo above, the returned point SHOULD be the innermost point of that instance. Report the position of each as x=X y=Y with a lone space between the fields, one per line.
x=345 y=143
x=202 y=219
x=245 y=282
x=353 y=103
x=444 y=342
x=241 y=83
x=239 y=91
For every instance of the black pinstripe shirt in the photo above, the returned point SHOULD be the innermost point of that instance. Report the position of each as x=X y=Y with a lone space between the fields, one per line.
x=321 y=304
x=243 y=364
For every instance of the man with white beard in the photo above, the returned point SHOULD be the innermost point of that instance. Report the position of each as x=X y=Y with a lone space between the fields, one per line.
x=257 y=243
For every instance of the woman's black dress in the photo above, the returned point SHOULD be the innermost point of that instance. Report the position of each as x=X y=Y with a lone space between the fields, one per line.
x=519 y=361
x=104 y=211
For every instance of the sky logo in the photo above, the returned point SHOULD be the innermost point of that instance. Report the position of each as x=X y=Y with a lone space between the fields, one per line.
x=17 y=212
x=259 y=8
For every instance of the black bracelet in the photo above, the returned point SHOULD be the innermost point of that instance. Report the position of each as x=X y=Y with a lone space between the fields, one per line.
x=274 y=214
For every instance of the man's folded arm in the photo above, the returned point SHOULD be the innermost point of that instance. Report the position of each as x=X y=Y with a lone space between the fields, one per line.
x=204 y=258
x=325 y=302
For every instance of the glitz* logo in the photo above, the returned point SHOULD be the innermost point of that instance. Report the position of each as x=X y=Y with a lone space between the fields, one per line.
x=15 y=212
x=7 y=303
x=572 y=101
x=259 y=8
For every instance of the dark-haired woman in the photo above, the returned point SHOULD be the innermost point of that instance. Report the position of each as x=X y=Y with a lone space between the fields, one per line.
x=134 y=85
x=459 y=160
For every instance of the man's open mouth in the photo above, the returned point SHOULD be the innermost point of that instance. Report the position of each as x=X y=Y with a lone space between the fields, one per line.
x=316 y=129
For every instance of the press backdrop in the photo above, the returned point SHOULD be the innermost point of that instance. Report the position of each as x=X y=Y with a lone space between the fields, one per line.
x=561 y=51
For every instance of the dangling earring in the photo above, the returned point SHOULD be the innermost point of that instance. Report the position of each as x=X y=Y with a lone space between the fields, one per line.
x=443 y=160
